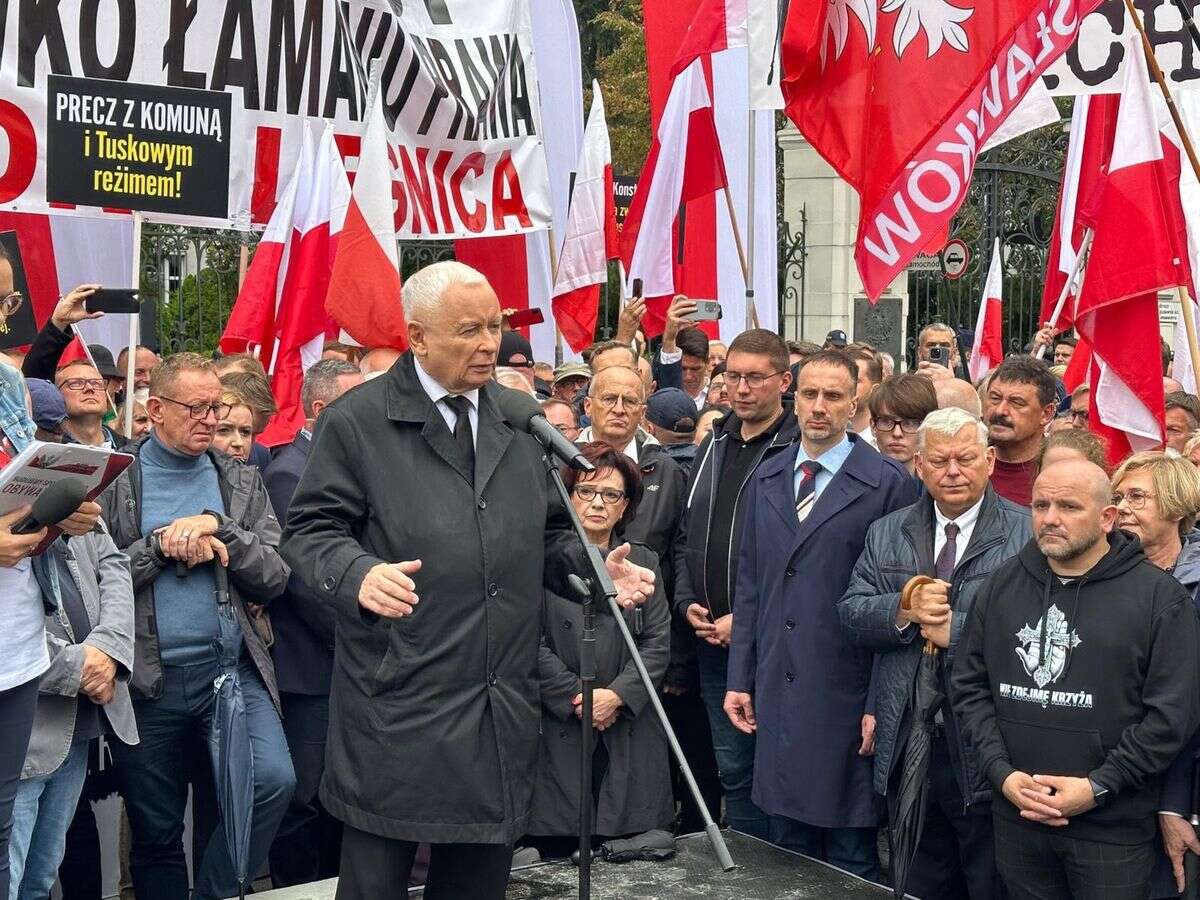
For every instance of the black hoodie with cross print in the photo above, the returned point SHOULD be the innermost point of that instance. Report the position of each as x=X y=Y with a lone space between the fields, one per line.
x=1096 y=677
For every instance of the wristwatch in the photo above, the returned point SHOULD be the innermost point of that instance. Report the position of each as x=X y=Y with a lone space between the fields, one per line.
x=1099 y=792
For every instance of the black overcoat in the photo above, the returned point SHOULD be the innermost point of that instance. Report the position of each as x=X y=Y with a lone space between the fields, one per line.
x=635 y=794
x=433 y=720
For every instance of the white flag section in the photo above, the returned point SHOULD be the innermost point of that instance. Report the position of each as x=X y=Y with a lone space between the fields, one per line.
x=733 y=130
x=1188 y=103
x=584 y=258
x=1181 y=368
x=95 y=251
x=763 y=26
x=560 y=71
x=988 y=349
x=1036 y=110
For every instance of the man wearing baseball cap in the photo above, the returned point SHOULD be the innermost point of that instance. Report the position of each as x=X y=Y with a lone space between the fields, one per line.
x=671 y=417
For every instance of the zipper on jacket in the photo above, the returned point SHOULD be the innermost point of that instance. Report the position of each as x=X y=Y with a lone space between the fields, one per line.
x=733 y=525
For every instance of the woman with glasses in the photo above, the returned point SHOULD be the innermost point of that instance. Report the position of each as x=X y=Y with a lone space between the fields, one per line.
x=898 y=407
x=631 y=783
x=1158 y=499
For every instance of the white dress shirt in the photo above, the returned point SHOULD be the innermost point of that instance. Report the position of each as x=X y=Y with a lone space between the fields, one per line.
x=438 y=395
x=966 y=527
x=668 y=359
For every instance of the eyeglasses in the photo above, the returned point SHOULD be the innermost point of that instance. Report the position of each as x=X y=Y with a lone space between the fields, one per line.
x=885 y=425
x=200 y=411
x=587 y=493
x=1082 y=416
x=11 y=303
x=1135 y=499
x=754 y=379
x=567 y=430
x=609 y=401
x=79 y=384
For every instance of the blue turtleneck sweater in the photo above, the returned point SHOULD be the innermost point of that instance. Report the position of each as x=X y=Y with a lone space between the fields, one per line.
x=175 y=486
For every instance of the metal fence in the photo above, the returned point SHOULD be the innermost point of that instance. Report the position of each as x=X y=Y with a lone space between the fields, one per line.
x=1013 y=197
x=190 y=279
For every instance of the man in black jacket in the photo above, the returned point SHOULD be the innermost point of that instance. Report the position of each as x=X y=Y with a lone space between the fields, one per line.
x=1076 y=684
x=957 y=534
x=706 y=547
x=306 y=846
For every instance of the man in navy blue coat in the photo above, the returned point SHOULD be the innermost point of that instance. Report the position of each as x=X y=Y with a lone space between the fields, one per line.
x=793 y=678
x=306 y=847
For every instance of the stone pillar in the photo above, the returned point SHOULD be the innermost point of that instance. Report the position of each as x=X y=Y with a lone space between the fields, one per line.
x=831 y=282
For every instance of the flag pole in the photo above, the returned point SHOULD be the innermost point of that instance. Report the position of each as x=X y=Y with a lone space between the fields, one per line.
x=1157 y=72
x=737 y=239
x=1085 y=249
x=1188 y=310
x=558 y=341
x=751 y=309
x=134 y=325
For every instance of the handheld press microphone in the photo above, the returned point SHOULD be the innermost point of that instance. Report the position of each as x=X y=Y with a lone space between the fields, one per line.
x=523 y=413
x=52 y=505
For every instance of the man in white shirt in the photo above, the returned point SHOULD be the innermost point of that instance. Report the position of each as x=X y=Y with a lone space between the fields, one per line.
x=689 y=346
x=936 y=554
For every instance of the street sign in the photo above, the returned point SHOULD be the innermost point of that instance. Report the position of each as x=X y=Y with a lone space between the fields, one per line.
x=955 y=258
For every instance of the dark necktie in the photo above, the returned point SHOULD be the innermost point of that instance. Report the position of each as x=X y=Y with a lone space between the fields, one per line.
x=464 y=441
x=808 y=481
x=944 y=567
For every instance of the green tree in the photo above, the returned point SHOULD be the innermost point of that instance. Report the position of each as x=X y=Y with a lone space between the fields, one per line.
x=613 y=44
x=193 y=316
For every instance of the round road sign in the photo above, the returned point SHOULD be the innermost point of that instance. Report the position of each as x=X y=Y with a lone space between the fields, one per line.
x=955 y=257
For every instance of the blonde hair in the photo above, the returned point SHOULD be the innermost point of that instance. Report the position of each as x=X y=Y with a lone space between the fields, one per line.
x=1192 y=444
x=1176 y=482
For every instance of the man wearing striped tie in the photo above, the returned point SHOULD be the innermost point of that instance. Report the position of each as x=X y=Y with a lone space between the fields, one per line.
x=793 y=678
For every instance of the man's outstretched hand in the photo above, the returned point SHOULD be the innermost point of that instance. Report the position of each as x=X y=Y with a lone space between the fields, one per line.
x=635 y=584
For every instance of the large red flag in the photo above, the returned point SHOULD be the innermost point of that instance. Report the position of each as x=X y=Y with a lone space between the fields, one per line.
x=900 y=96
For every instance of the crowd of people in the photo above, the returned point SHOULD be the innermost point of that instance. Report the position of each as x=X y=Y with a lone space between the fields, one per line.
x=794 y=529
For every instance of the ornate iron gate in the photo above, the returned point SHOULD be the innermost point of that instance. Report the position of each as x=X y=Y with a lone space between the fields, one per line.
x=189 y=281
x=1013 y=197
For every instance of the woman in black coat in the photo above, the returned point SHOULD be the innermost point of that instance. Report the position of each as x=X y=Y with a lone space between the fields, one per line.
x=631 y=779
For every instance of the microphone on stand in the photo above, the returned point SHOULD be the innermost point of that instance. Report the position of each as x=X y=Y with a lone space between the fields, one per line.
x=52 y=505
x=523 y=413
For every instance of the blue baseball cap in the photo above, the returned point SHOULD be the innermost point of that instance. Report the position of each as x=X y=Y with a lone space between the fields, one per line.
x=49 y=410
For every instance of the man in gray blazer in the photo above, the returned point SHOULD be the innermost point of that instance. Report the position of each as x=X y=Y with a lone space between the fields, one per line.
x=86 y=584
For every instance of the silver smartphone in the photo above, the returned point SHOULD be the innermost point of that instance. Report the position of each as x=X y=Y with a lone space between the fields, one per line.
x=706 y=311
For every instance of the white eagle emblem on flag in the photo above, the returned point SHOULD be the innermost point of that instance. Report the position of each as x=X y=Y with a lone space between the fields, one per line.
x=939 y=19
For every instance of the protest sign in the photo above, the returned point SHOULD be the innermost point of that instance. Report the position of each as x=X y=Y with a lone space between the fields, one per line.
x=112 y=143
x=459 y=82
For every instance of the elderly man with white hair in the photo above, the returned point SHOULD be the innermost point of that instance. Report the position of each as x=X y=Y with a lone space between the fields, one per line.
x=428 y=522
x=915 y=582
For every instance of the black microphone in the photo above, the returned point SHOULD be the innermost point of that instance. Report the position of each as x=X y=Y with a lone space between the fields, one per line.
x=52 y=505
x=523 y=413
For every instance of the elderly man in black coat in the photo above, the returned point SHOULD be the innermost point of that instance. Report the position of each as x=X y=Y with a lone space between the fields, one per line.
x=428 y=522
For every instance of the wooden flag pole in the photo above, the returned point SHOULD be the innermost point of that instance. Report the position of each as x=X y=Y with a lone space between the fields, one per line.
x=1186 y=308
x=737 y=239
x=1155 y=70
x=558 y=340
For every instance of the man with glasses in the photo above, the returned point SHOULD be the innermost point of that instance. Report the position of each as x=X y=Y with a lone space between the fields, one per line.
x=83 y=391
x=1080 y=406
x=706 y=550
x=616 y=402
x=178 y=512
x=562 y=416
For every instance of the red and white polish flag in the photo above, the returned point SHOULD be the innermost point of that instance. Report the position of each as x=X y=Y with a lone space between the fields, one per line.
x=364 y=289
x=988 y=349
x=1139 y=249
x=684 y=164
x=591 y=238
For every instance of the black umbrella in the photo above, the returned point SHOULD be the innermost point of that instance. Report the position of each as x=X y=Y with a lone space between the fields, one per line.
x=908 y=807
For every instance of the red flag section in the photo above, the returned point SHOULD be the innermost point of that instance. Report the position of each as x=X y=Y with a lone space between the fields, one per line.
x=900 y=96
x=364 y=289
x=591 y=238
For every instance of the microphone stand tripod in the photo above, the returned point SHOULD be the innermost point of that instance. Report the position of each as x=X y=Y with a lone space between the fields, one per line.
x=600 y=583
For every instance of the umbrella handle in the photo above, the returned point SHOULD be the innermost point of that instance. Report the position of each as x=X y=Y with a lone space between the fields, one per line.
x=917 y=581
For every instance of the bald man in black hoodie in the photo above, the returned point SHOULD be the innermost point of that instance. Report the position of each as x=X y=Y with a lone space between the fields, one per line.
x=1077 y=681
